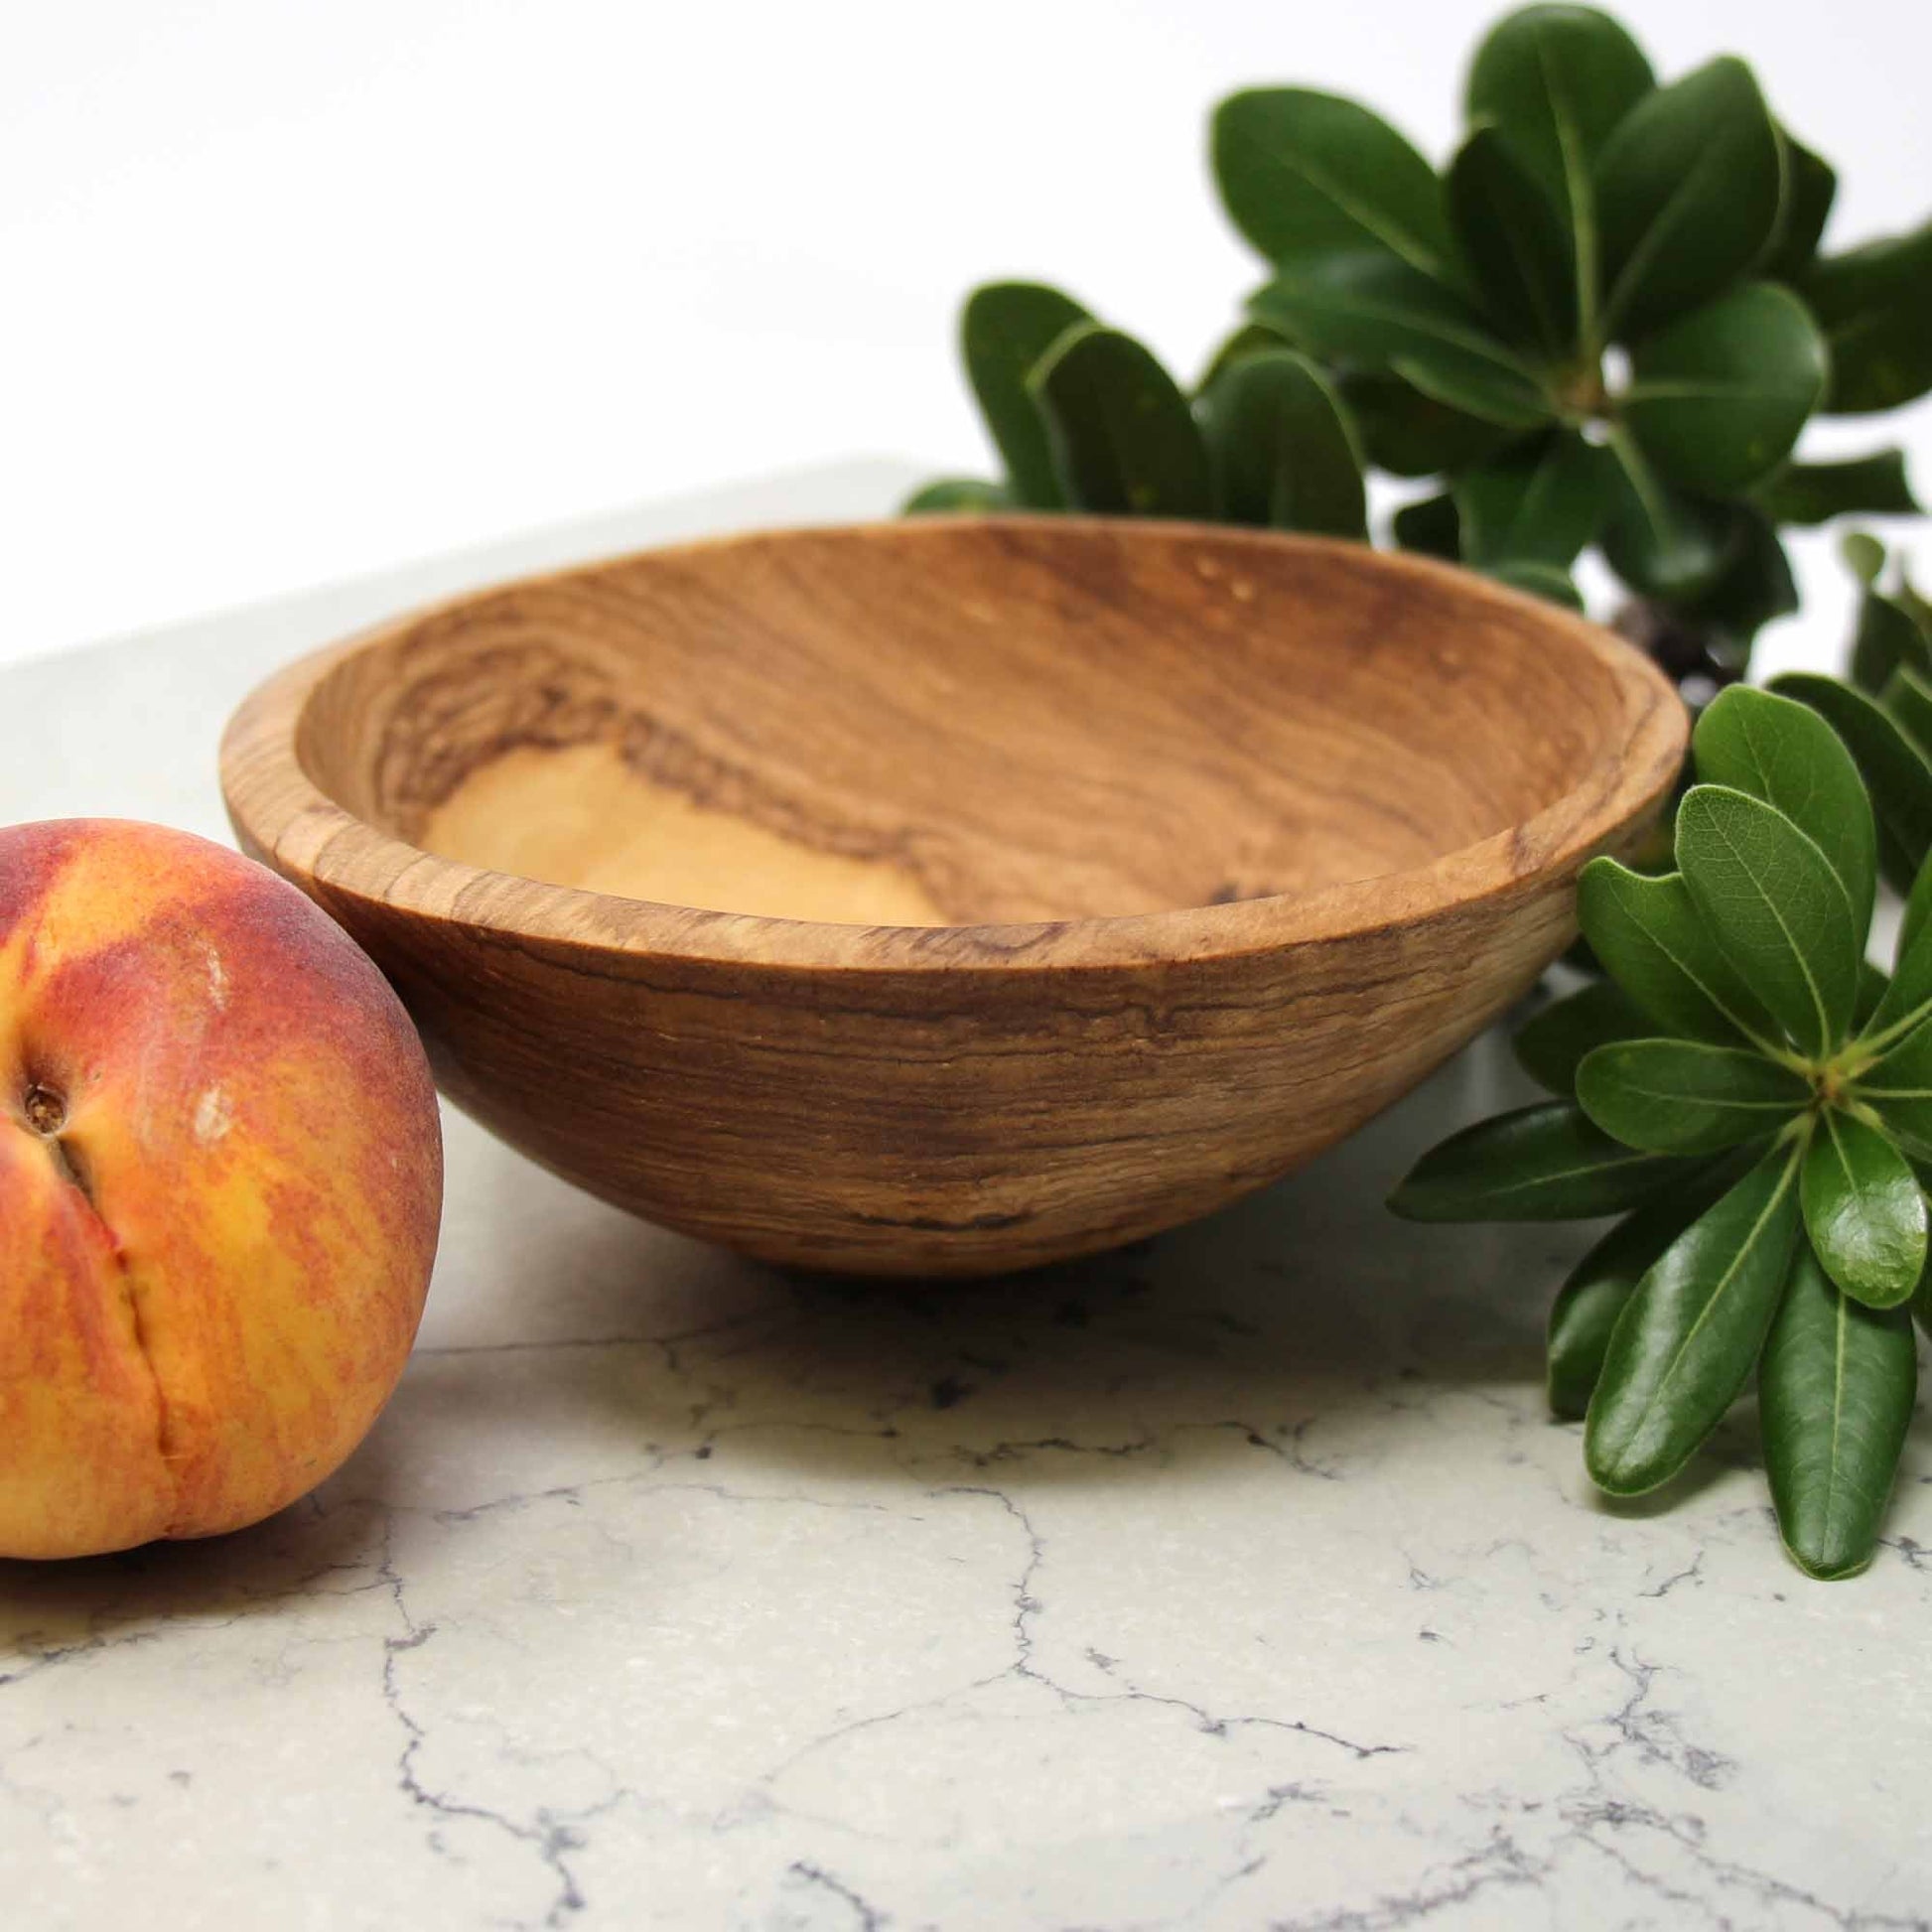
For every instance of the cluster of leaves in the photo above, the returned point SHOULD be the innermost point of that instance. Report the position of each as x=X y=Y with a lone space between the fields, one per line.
x=1755 y=1100
x=1605 y=324
x=1085 y=418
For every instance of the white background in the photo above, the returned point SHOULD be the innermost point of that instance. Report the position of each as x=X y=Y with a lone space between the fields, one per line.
x=291 y=291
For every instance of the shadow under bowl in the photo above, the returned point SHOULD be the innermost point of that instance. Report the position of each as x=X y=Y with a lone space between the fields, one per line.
x=953 y=895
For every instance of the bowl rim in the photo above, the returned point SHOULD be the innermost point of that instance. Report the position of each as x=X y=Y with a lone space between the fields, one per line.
x=284 y=817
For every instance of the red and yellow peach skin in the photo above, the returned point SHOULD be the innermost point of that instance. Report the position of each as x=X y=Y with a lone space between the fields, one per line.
x=220 y=1174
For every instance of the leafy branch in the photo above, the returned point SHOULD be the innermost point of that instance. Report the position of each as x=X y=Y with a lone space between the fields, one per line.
x=1604 y=324
x=1755 y=1101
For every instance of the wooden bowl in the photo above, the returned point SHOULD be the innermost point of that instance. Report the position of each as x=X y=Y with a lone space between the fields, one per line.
x=953 y=895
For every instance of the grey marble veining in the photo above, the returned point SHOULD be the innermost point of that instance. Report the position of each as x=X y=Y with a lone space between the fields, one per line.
x=1236 y=1581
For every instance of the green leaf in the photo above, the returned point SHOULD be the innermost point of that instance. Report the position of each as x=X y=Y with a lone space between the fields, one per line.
x=1585 y=1311
x=1915 y=605
x=1556 y=82
x=1550 y=1046
x=1250 y=339
x=1907 y=997
x=1835 y=1397
x=1685 y=1343
x=1864 y=1211
x=1544 y=1163
x=1810 y=186
x=1896 y=774
x=1430 y=527
x=1755 y=583
x=1651 y=941
x=1864 y=485
x=1685 y=1096
x=1540 y=503
x=1005 y=331
x=1514 y=242
x=1718 y=398
x=1370 y=311
x=1509 y=400
x=1887 y=638
x=1909 y=698
x=1784 y=753
x=1898 y=1089
x=1546 y=581
x=1689 y=188
x=1872 y=305
x=1864 y=554
x=1124 y=440
x=1778 y=911
x=1874 y=984
x=1409 y=434
x=1303 y=173
x=1658 y=540
x=1918 y=909
x=944 y=494
x=1283 y=450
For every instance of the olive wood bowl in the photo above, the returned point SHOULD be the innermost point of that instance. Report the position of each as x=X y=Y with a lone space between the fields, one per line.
x=953 y=895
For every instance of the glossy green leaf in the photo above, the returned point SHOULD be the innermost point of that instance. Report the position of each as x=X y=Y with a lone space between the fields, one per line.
x=1776 y=909
x=1784 y=753
x=1659 y=540
x=1550 y=1046
x=1430 y=527
x=1538 y=503
x=1370 y=311
x=1834 y=1395
x=1718 y=398
x=1888 y=639
x=1686 y=1342
x=1544 y=1163
x=1303 y=173
x=968 y=496
x=1122 y=438
x=1005 y=331
x=1409 y=434
x=1686 y=1096
x=1864 y=485
x=1515 y=244
x=1688 y=191
x=1585 y=1311
x=1896 y=774
x=1810 y=188
x=1283 y=450
x=1556 y=82
x=1872 y=305
x=1648 y=935
x=1550 y=582
x=1864 y=1211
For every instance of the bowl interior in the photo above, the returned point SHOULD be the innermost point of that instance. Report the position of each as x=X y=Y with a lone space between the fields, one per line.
x=942 y=723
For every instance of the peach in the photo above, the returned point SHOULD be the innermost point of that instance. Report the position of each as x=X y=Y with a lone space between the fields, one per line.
x=220 y=1174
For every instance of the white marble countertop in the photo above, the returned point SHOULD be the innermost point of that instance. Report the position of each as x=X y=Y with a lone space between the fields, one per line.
x=1237 y=1580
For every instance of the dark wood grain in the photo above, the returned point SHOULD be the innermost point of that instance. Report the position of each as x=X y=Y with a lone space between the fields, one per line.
x=1127 y=865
